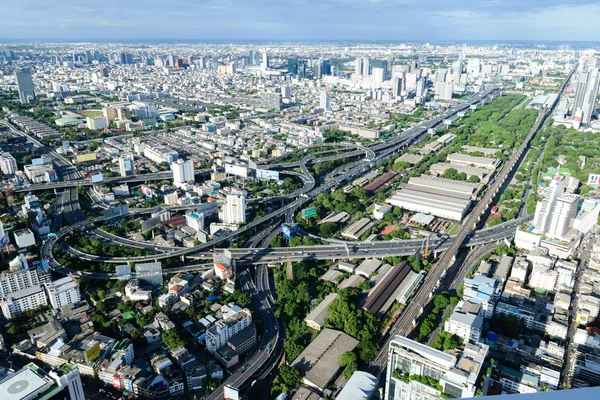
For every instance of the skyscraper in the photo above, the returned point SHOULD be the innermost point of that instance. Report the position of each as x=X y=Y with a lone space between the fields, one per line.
x=292 y=65
x=183 y=171
x=265 y=62
x=358 y=66
x=301 y=69
x=543 y=209
x=25 y=86
x=397 y=87
x=324 y=101
x=8 y=164
x=235 y=208
x=563 y=213
x=378 y=75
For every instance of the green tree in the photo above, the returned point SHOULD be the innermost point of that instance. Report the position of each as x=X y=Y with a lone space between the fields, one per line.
x=172 y=339
x=349 y=361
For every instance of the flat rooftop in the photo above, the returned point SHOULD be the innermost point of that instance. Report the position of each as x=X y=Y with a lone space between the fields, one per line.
x=31 y=383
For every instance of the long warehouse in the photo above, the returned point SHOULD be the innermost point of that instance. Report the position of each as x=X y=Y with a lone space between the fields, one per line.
x=440 y=168
x=439 y=198
x=462 y=188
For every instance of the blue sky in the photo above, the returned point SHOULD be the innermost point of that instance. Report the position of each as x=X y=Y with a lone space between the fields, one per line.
x=394 y=20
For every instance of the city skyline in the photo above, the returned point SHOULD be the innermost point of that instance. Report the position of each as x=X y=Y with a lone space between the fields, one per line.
x=304 y=20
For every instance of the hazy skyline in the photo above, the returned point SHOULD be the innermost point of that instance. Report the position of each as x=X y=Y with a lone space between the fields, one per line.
x=392 y=20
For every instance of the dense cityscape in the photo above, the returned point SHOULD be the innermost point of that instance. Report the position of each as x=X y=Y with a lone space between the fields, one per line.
x=298 y=221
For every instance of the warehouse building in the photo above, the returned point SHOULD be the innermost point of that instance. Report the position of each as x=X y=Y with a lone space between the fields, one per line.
x=316 y=318
x=467 y=160
x=319 y=363
x=440 y=168
x=461 y=188
x=357 y=229
x=442 y=198
x=384 y=293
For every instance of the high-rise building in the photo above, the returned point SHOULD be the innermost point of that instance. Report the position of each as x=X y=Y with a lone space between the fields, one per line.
x=324 y=101
x=33 y=383
x=301 y=69
x=358 y=66
x=8 y=164
x=292 y=65
x=586 y=90
x=265 y=62
x=127 y=165
x=25 y=86
x=194 y=220
x=23 y=300
x=563 y=214
x=378 y=75
x=14 y=281
x=420 y=88
x=235 y=208
x=544 y=208
x=409 y=362
x=397 y=87
x=183 y=171
x=63 y=292
x=271 y=100
x=234 y=322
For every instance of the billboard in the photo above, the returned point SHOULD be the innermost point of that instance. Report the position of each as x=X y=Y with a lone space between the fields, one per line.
x=86 y=157
x=289 y=231
x=123 y=272
x=236 y=170
x=231 y=393
x=309 y=212
x=97 y=178
x=202 y=236
x=151 y=223
x=473 y=106
x=116 y=212
x=266 y=174
x=37 y=161
x=461 y=113
x=146 y=191
x=593 y=179
x=93 y=352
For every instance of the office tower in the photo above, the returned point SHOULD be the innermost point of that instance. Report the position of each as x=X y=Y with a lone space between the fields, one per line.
x=171 y=60
x=25 y=86
x=317 y=70
x=543 y=208
x=127 y=165
x=183 y=171
x=286 y=92
x=301 y=69
x=104 y=72
x=358 y=66
x=251 y=57
x=324 y=101
x=586 y=91
x=125 y=58
x=409 y=362
x=149 y=273
x=444 y=90
x=563 y=214
x=325 y=67
x=265 y=62
x=420 y=88
x=8 y=164
x=235 y=208
x=457 y=67
x=378 y=74
x=194 y=220
x=292 y=65
x=9 y=55
x=397 y=87
x=366 y=66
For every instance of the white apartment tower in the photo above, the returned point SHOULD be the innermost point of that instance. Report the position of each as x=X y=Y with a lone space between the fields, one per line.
x=8 y=164
x=325 y=103
x=11 y=282
x=63 y=292
x=456 y=375
x=127 y=165
x=563 y=213
x=218 y=335
x=183 y=171
x=541 y=219
x=235 y=208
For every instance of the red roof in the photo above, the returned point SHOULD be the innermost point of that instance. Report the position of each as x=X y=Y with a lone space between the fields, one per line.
x=388 y=229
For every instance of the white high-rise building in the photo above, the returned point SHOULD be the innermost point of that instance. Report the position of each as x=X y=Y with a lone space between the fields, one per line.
x=127 y=165
x=563 y=214
x=183 y=171
x=265 y=62
x=25 y=86
x=14 y=281
x=8 y=164
x=325 y=101
x=194 y=220
x=63 y=292
x=236 y=320
x=358 y=65
x=235 y=208
x=27 y=299
x=456 y=375
x=397 y=87
x=544 y=208
x=378 y=75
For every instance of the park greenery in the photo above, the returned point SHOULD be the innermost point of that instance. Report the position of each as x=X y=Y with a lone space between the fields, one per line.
x=440 y=302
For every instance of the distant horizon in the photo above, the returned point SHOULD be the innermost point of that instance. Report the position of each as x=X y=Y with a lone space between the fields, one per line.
x=300 y=20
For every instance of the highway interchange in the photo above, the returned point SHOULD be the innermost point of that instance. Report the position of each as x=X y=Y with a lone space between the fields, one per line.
x=272 y=338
